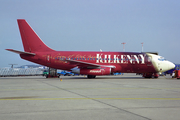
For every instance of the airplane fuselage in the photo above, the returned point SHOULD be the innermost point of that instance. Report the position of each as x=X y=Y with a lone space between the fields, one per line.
x=88 y=63
x=127 y=62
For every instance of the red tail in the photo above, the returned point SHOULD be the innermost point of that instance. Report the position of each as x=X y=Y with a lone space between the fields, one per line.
x=31 y=41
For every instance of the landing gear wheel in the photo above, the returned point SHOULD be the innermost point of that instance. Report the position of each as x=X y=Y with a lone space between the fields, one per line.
x=91 y=76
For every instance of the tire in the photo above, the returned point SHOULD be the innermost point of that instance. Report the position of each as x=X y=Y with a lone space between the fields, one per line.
x=91 y=76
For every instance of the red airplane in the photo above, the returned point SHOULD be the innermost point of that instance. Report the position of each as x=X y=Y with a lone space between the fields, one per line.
x=89 y=63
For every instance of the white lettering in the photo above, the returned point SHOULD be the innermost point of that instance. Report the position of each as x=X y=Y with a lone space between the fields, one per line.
x=95 y=71
x=122 y=58
x=142 y=59
x=105 y=60
x=130 y=60
x=136 y=58
x=116 y=59
x=109 y=58
x=99 y=58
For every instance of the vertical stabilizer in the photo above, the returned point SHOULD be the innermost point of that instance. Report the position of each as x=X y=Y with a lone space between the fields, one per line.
x=31 y=42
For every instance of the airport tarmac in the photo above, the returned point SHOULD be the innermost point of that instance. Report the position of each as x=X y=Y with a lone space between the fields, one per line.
x=122 y=97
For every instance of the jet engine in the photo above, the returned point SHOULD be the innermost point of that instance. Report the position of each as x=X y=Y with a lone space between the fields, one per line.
x=86 y=71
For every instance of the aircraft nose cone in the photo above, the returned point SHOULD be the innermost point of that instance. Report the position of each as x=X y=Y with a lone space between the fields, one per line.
x=171 y=65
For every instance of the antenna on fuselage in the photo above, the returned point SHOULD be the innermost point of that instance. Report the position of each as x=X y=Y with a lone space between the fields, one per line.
x=123 y=46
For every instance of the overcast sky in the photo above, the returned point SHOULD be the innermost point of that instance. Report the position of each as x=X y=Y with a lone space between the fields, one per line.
x=91 y=25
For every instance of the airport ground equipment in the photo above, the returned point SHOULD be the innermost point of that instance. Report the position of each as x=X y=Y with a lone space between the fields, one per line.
x=66 y=73
x=52 y=73
x=177 y=74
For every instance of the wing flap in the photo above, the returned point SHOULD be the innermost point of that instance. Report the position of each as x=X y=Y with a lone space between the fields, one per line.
x=81 y=64
x=85 y=64
x=20 y=52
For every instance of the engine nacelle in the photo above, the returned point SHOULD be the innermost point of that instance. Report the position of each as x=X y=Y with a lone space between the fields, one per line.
x=100 y=71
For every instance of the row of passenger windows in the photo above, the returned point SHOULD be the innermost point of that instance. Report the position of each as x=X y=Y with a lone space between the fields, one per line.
x=76 y=58
x=94 y=59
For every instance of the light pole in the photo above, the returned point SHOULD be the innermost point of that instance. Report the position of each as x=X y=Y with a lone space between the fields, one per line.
x=142 y=46
x=123 y=46
x=12 y=65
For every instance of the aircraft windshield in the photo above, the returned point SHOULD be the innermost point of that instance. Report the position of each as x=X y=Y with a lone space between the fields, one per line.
x=161 y=59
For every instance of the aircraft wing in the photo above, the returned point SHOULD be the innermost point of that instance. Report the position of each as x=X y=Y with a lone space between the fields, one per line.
x=85 y=64
x=20 y=52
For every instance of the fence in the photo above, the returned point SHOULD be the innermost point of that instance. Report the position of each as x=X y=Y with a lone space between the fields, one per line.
x=19 y=72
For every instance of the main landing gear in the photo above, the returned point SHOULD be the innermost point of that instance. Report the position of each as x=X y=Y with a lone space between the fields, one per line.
x=150 y=75
x=91 y=76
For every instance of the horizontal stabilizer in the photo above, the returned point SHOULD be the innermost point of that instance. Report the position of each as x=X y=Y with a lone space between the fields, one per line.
x=21 y=52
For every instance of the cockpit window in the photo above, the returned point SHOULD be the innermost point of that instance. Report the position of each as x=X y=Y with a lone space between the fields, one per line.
x=161 y=59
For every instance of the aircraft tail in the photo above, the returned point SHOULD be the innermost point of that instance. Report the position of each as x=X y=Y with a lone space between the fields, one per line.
x=31 y=41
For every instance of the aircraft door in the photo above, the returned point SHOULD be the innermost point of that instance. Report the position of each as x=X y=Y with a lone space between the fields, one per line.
x=48 y=59
x=149 y=61
x=159 y=66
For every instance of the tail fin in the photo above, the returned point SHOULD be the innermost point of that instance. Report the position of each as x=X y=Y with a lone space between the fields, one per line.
x=31 y=42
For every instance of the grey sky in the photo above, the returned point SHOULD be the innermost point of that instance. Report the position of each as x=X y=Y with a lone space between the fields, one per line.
x=91 y=25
